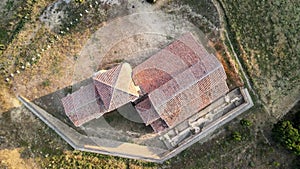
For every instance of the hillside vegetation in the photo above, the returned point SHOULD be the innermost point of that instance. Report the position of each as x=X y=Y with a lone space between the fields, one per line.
x=287 y=131
x=266 y=37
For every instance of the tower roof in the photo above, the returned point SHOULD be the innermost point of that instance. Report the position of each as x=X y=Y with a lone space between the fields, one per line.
x=115 y=86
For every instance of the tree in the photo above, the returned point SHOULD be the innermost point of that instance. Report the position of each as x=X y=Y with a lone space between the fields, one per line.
x=286 y=134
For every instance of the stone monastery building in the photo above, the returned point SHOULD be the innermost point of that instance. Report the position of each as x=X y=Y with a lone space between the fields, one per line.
x=165 y=90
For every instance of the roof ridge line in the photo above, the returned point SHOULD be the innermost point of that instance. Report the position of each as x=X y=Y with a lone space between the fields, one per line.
x=99 y=72
x=113 y=86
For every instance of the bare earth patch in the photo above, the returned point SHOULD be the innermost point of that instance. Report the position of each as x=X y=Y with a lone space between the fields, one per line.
x=12 y=159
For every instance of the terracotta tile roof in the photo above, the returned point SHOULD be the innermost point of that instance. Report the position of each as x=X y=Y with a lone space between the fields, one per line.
x=200 y=81
x=157 y=70
x=115 y=86
x=159 y=125
x=151 y=79
x=147 y=111
x=172 y=64
x=108 y=77
x=121 y=98
x=105 y=91
x=170 y=105
x=83 y=105
x=184 y=52
x=110 y=89
x=177 y=109
x=169 y=62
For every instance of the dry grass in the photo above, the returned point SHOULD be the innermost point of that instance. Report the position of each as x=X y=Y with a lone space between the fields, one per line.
x=39 y=55
x=264 y=35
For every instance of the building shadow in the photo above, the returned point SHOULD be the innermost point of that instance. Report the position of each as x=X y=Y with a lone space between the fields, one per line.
x=118 y=120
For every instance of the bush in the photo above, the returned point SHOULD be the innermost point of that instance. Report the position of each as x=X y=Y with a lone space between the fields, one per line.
x=287 y=135
x=276 y=164
x=2 y=47
x=246 y=123
x=46 y=83
x=237 y=136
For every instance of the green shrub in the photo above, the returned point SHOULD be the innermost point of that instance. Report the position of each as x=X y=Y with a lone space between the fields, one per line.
x=287 y=135
x=236 y=136
x=246 y=123
x=46 y=83
x=2 y=47
x=276 y=164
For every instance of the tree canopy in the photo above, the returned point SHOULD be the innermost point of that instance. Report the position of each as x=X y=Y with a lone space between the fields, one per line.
x=286 y=134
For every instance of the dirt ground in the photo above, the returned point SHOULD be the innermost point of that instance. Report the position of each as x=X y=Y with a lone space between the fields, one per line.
x=13 y=159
